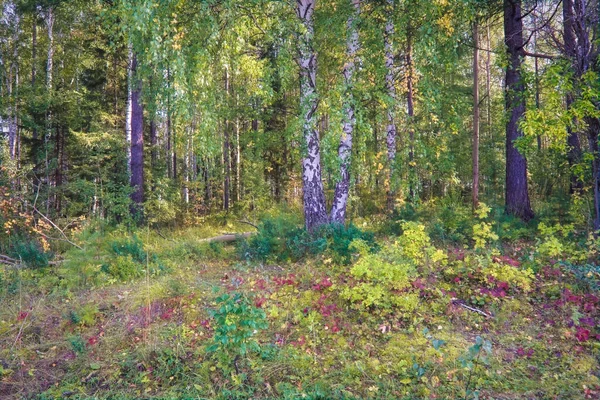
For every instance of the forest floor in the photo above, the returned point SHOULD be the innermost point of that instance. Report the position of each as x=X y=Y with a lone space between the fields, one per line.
x=165 y=315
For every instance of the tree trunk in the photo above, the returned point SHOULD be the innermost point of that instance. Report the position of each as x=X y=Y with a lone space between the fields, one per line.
x=137 y=144
x=315 y=212
x=593 y=128
x=13 y=123
x=226 y=149
x=129 y=106
x=50 y=56
x=391 y=111
x=34 y=62
x=537 y=77
x=49 y=17
x=574 y=152
x=410 y=106
x=340 y=199
x=153 y=144
x=475 y=117
x=516 y=190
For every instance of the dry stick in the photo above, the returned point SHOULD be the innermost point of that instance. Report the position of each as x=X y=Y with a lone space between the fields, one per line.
x=228 y=237
x=247 y=223
x=57 y=228
x=166 y=238
x=8 y=260
x=473 y=309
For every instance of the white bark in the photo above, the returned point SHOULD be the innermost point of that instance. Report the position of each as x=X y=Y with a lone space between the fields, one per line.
x=390 y=85
x=49 y=17
x=391 y=91
x=315 y=212
x=13 y=81
x=129 y=107
x=342 y=189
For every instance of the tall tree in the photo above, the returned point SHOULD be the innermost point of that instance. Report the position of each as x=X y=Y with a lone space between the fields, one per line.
x=475 y=115
x=390 y=85
x=340 y=199
x=516 y=189
x=574 y=151
x=315 y=212
x=137 y=142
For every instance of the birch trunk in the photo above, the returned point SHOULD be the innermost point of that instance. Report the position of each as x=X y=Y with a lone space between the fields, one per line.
x=410 y=108
x=226 y=150
x=342 y=189
x=128 y=110
x=13 y=123
x=516 y=190
x=315 y=212
x=391 y=114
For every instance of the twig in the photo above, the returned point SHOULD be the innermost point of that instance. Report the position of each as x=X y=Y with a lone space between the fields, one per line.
x=166 y=238
x=463 y=305
x=8 y=260
x=247 y=223
x=57 y=228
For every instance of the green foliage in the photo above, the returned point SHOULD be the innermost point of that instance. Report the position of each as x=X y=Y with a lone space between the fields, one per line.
x=281 y=240
x=123 y=268
x=30 y=253
x=77 y=344
x=132 y=247
x=384 y=280
x=84 y=316
x=236 y=322
x=482 y=231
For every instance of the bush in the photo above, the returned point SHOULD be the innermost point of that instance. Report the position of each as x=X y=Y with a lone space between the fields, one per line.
x=30 y=253
x=384 y=280
x=123 y=268
x=130 y=247
x=281 y=240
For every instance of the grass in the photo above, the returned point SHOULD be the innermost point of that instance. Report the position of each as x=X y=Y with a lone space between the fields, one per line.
x=150 y=335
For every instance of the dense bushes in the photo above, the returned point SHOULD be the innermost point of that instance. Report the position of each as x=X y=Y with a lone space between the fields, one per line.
x=279 y=239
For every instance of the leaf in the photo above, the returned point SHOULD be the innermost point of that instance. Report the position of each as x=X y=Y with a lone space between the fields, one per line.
x=95 y=366
x=437 y=343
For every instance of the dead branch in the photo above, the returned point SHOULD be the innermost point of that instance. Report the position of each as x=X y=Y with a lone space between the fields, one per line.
x=230 y=237
x=66 y=239
x=463 y=305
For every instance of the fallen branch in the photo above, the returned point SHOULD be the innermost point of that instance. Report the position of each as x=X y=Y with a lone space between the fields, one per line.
x=247 y=223
x=66 y=239
x=166 y=238
x=463 y=305
x=8 y=260
x=231 y=237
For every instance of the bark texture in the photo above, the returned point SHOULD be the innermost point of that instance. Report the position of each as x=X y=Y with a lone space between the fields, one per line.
x=128 y=107
x=137 y=144
x=315 y=212
x=475 y=116
x=342 y=188
x=391 y=91
x=574 y=151
x=517 y=201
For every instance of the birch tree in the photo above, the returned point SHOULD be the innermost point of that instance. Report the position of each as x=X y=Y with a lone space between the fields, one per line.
x=340 y=199
x=315 y=212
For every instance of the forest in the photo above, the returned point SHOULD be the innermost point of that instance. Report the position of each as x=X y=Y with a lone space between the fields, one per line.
x=299 y=199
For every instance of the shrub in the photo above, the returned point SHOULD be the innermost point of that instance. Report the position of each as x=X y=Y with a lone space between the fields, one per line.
x=281 y=240
x=236 y=320
x=384 y=280
x=123 y=268
x=130 y=247
x=30 y=253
